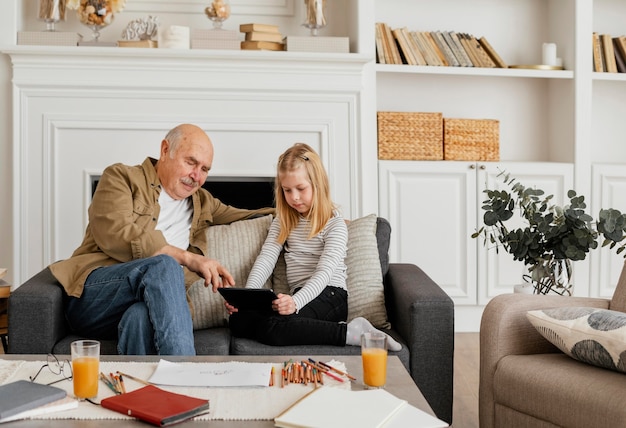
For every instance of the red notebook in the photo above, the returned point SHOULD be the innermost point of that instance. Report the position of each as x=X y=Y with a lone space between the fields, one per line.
x=157 y=406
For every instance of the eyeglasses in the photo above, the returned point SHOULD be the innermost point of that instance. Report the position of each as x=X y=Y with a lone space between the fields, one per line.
x=57 y=367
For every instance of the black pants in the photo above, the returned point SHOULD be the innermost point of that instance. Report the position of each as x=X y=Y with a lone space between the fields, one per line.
x=317 y=323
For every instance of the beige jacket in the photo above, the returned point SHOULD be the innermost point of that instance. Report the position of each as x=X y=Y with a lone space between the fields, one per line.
x=122 y=219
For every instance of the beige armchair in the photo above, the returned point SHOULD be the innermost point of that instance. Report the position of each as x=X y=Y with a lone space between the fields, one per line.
x=525 y=381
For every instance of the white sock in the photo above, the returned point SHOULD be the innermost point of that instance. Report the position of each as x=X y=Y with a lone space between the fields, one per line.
x=360 y=325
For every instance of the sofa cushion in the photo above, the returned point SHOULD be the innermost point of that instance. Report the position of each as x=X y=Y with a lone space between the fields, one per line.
x=236 y=246
x=590 y=335
x=366 y=294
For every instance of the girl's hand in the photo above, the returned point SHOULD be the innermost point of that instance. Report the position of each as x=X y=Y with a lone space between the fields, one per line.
x=284 y=305
x=230 y=308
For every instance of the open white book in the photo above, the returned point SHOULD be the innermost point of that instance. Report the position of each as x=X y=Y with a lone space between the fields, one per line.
x=334 y=407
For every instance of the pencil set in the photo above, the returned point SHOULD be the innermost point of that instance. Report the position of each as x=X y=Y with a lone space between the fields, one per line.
x=114 y=382
x=300 y=372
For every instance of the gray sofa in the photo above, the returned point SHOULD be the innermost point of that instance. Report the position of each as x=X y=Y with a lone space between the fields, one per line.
x=420 y=312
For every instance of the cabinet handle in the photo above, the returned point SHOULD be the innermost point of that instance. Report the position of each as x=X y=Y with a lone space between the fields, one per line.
x=472 y=166
x=483 y=167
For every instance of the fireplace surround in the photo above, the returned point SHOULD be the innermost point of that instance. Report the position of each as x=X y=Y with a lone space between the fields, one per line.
x=77 y=110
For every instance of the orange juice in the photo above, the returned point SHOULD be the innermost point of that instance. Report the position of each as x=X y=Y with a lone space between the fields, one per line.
x=374 y=366
x=85 y=371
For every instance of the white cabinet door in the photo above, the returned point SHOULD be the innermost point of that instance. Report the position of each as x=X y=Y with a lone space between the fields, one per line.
x=432 y=210
x=434 y=207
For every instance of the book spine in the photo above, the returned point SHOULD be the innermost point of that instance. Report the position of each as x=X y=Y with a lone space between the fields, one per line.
x=445 y=49
x=598 y=63
x=380 y=45
x=620 y=60
x=419 y=57
x=609 y=54
x=492 y=53
x=405 y=53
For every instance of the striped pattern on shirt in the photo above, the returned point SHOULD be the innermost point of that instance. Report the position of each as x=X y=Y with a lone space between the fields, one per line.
x=312 y=264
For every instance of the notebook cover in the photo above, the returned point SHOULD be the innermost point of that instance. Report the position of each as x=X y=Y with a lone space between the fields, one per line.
x=156 y=406
x=19 y=396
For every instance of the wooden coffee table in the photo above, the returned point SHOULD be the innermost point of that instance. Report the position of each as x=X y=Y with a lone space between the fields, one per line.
x=399 y=383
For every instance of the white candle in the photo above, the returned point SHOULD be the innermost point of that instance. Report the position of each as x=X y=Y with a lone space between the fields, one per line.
x=549 y=54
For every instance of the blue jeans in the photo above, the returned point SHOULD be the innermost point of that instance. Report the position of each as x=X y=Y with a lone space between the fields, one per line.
x=319 y=322
x=142 y=303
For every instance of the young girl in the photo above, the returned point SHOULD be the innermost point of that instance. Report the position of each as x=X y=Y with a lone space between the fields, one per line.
x=314 y=237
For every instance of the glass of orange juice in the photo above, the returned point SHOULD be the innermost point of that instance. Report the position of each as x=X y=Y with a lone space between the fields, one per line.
x=85 y=368
x=374 y=356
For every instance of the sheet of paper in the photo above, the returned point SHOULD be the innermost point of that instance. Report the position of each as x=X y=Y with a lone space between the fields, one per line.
x=232 y=373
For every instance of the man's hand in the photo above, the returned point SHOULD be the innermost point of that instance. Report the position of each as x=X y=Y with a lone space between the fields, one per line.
x=211 y=270
x=284 y=305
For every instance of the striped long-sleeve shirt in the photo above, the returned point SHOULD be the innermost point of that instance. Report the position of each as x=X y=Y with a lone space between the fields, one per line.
x=312 y=264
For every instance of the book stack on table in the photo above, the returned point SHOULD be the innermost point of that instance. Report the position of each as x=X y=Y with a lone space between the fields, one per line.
x=215 y=39
x=261 y=37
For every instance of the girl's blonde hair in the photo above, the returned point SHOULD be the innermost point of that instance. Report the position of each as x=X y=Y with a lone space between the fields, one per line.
x=301 y=155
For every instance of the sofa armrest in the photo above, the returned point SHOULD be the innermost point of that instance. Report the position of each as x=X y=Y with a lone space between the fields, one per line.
x=423 y=314
x=36 y=316
x=505 y=330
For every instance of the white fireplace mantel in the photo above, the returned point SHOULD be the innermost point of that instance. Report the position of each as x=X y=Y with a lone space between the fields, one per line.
x=78 y=109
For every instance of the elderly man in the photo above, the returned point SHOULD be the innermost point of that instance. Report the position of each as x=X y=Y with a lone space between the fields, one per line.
x=146 y=232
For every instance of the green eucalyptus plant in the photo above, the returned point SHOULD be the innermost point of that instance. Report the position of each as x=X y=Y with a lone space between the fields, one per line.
x=552 y=232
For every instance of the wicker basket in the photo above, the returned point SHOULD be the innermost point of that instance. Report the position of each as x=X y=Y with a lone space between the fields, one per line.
x=410 y=136
x=471 y=139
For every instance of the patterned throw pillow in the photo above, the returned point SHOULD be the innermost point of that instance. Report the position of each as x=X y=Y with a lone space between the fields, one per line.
x=236 y=246
x=590 y=335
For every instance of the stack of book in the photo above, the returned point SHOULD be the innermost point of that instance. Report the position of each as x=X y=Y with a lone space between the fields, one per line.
x=435 y=48
x=215 y=39
x=261 y=37
x=609 y=53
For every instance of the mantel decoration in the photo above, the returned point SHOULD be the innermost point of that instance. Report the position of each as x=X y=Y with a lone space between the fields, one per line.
x=96 y=14
x=218 y=12
x=315 y=15
x=51 y=12
x=553 y=237
x=141 y=32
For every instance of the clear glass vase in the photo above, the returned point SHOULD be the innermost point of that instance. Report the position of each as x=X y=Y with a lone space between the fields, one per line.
x=95 y=14
x=315 y=15
x=218 y=12
x=551 y=277
x=51 y=12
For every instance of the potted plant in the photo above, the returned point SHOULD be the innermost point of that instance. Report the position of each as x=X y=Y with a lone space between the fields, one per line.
x=553 y=237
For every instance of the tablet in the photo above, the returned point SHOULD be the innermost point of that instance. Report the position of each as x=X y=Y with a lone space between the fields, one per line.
x=258 y=299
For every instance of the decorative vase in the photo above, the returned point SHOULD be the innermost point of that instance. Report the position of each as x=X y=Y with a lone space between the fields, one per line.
x=95 y=14
x=315 y=15
x=51 y=12
x=551 y=277
x=218 y=12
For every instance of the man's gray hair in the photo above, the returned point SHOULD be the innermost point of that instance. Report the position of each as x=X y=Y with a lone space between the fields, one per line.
x=173 y=137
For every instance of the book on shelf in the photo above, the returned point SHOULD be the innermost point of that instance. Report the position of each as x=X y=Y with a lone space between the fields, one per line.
x=415 y=49
x=440 y=56
x=492 y=53
x=260 y=36
x=20 y=396
x=391 y=48
x=480 y=53
x=445 y=49
x=619 y=46
x=334 y=408
x=598 y=61
x=262 y=46
x=424 y=46
x=471 y=53
x=380 y=44
x=606 y=41
x=334 y=44
x=454 y=48
x=266 y=28
x=156 y=406
x=403 y=47
x=137 y=44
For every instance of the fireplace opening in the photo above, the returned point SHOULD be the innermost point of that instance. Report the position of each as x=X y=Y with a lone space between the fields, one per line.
x=241 y=192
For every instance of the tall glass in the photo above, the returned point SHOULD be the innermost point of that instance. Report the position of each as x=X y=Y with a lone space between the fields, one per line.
x=85 y=368
x=374 y=356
